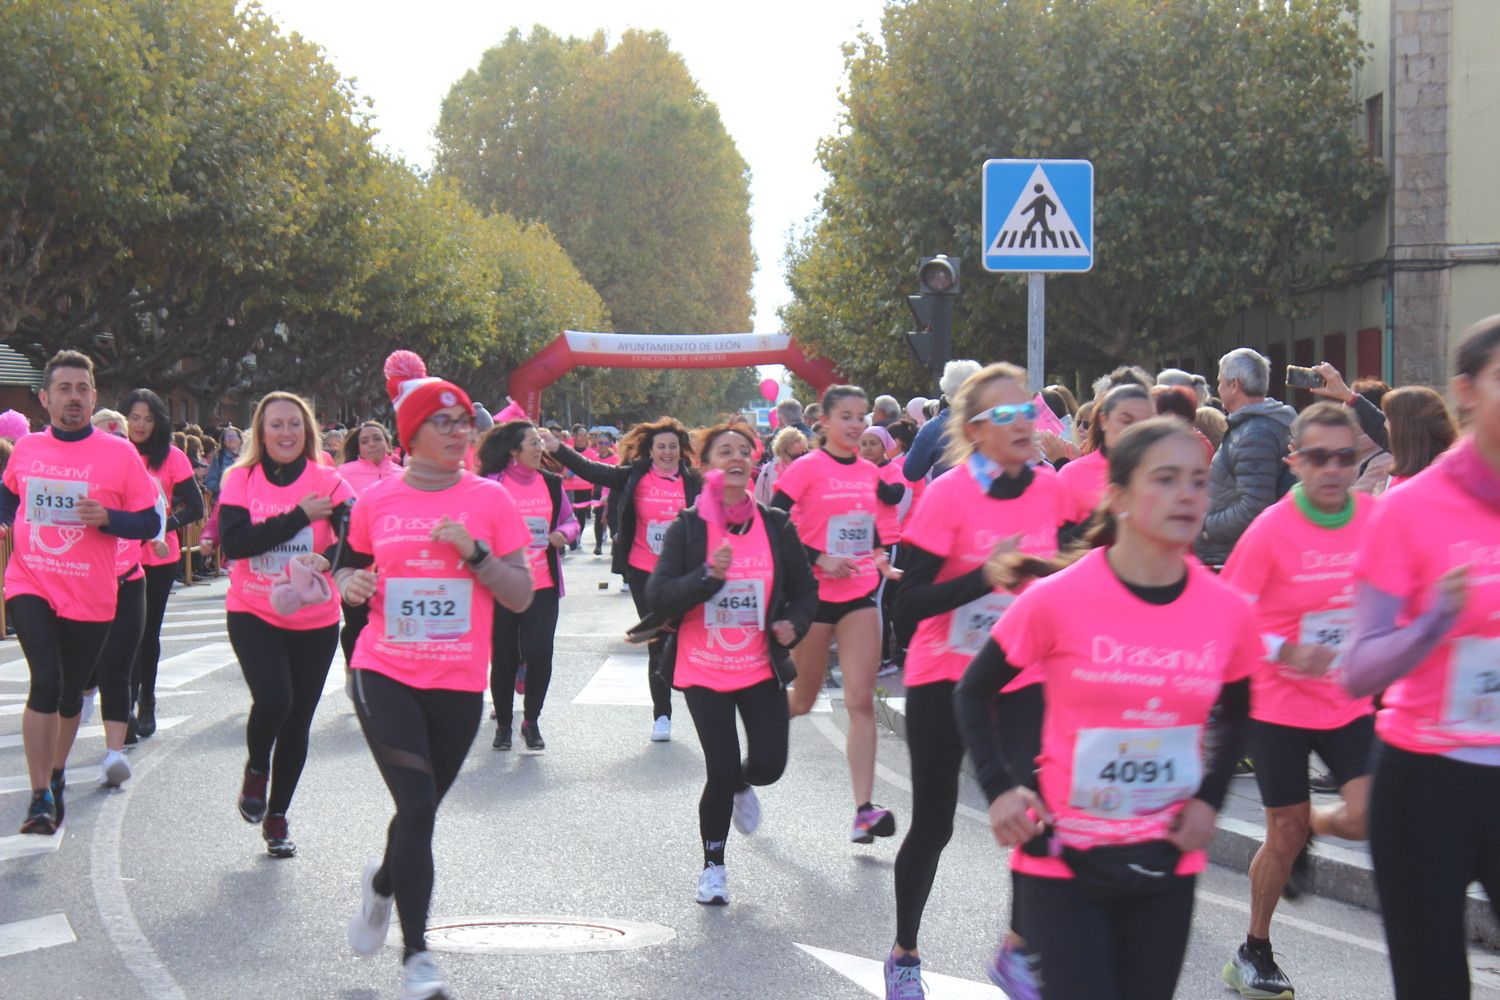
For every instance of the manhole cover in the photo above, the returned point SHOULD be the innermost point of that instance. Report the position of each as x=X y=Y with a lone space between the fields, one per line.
x=546 y=935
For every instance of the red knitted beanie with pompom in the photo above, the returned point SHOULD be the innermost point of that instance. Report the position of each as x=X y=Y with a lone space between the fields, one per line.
x=417 y=395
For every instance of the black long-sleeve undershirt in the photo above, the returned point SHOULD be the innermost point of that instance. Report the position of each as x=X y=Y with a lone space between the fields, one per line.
x=920 y=597
x=135 y=524
x=186 y=504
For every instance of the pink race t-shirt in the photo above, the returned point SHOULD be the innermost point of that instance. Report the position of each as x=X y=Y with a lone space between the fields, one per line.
x=959 y=522
x=430 y=620
x=722 y=643
x=250 y=579
x=175 y=469
x=1084 y=481
x=834 y=509
x=361 y=475
x=657 y=501
x=1416 y=534
x=56 y=557
x=1129 y=687
x=534 y=504
x=1301 y=580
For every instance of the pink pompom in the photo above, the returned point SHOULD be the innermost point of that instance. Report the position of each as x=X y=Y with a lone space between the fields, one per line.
x=14 y=425
x=401 y=366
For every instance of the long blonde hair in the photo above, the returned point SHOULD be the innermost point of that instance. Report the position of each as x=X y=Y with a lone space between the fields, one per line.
x=251 y=448
x=964 y=406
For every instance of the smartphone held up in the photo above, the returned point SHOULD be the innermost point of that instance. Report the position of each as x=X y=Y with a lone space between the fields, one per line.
x=1304 y=378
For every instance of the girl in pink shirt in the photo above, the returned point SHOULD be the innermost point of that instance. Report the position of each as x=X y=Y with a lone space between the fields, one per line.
x=994 y=499
x=734 y=581
x=1427 y=632
x=511 y=455
x=1132 y=648
x=432 y=552
x=277 y=508
x=149 y=427
x=1084 y=479
x=834 y=497
x=367 y=458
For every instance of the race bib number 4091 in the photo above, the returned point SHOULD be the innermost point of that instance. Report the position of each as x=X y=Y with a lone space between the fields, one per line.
x=1126 y=773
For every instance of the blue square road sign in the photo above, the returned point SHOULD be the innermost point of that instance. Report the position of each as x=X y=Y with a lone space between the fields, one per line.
x=1038 y=215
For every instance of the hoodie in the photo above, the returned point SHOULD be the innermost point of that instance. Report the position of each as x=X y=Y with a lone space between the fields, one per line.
x=1244 y=476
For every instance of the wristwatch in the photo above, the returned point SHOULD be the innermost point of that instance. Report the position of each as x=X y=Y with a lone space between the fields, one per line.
x=481 y=553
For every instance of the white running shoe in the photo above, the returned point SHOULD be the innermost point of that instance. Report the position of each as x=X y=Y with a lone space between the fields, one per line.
x=421 y=979
x=369 y=927
x=114 y=771
x=661 y=729
x=624 y=587
x=747 y=811
x=713 y=886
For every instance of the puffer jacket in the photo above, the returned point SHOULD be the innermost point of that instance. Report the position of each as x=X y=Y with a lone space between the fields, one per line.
x=1242 y=481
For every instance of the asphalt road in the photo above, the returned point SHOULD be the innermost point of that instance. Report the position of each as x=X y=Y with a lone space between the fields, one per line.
x=160 y=891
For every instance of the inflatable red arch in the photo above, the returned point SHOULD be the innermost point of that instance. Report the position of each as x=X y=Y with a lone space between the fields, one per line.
x=661 y=350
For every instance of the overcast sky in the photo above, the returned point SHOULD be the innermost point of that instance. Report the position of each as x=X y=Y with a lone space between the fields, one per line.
x=774 y=69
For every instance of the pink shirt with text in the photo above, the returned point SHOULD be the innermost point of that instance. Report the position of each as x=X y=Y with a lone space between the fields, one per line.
x=55 y=556
x=1451 y=700
x=657 y=501
x=1129 y=688
x=1301 y=579
x=430 y=619
x=176 y=469
x=888 y=516
x=361 y=475
x=250 y=579
x=534 y=504
x=959 y=522
x=834 y=509
x=722 y=643
x=1084 y=481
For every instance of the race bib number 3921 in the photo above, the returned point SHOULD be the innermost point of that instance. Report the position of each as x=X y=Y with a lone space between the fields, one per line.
x=851 y=536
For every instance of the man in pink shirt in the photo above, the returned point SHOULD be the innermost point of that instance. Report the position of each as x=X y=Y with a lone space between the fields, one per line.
x=69 y=493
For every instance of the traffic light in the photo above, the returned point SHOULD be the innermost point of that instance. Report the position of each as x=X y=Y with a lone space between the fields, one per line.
x=932 y=307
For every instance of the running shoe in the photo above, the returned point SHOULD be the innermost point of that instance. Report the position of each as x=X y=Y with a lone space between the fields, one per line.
x=278 y=837
x=887 y=668
x=1245 y=768
x=532 y=734
x=661 y=729
x=145 y=719
x=624 y=587
x=1014 y=970
x=132 y=735
x=253 y=795
x=115 y=770
x=876 y=821
x=369 y=927
x=1254 y=972
x=1323 y=783
x=502 y=738
x=1299 y=881
x=904 y=982
x=599 y=549
x=58 y=784
x=421 y=979
x=713 y=886
x=41 y=815
x=746 y=810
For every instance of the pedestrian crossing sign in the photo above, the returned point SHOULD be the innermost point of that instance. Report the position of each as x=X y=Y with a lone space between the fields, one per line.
x=1038 y=215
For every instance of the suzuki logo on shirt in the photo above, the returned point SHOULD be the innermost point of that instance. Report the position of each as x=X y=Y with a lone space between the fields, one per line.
x=40 y=468
x=1108 y=651
x=1151 y=714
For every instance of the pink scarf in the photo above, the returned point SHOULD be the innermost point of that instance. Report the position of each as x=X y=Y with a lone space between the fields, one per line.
x=520 y=473
x=1467 y=469
x=713 y=509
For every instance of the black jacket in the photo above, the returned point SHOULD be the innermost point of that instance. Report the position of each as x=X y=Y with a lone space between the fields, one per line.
x=622 y=481
x=680 y=583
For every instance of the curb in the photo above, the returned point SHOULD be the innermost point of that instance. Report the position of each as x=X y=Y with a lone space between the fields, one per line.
x=1338 y=873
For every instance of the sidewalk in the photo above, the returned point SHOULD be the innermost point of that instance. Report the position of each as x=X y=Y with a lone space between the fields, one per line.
x=1341 y=868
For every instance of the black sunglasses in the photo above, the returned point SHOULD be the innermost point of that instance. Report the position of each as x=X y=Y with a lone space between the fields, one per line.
x=1346 y=457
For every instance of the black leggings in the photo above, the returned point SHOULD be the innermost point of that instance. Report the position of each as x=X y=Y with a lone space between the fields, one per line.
x=419 y=739
x=1434 y=828
x=285 y=670
x=581 y=513
x=661 y=693
x=936 y=753
x=601 y=520
x=112 y=674
x=60 y=654
x=356 y=617
x=526 y=638
x=1128 y=948
x=143 y=675
x=763 y=708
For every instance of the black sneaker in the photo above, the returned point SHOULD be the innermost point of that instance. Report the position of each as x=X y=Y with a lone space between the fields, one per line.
x=532 y=734
x=59 y=783
x=1299 y=881
x=41 y=815
x=278 y=837
x=598 y=550
x=1323 y=783
x=145 y=719
x=1245 y=767
x=502 y=738
x=132 y=732
x=1255 y=974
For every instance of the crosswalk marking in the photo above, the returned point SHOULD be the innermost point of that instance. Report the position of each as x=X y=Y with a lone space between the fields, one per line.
x=34 y=934
x=868 y=974
x=621 y=681
x=23 y=845
x=184 y=668
x=89 y=732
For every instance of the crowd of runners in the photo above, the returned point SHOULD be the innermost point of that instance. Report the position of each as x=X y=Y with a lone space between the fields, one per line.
x=1112 y=608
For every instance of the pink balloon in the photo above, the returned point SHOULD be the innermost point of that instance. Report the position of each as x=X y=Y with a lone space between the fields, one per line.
x=769 y=388
x=772 y=418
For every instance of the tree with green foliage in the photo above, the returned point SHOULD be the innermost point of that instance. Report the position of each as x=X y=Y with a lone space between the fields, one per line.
x=1225 y=157
x=620 y=154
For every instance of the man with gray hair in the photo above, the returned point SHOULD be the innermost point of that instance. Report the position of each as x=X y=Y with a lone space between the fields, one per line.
x=789 y=414
x=932 y=440
x=885 y=410
x=1176 y=376
x=1246 y=474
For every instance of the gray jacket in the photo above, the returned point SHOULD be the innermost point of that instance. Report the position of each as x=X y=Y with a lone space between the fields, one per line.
x=1243 y=478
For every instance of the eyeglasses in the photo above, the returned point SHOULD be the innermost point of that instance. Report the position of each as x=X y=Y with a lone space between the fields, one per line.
x=1006 y=414
x=1346 y=457
x=445 y=424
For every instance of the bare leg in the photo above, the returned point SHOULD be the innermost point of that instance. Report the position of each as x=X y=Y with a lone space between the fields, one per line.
x=810 y=657
x=39 y=735
x=1287 y=828
x=114 y=735
x=67 y=732
x=859 y=656
x=1349 y=819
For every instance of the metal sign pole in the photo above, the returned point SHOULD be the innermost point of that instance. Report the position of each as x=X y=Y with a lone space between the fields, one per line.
x=1036 y=324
